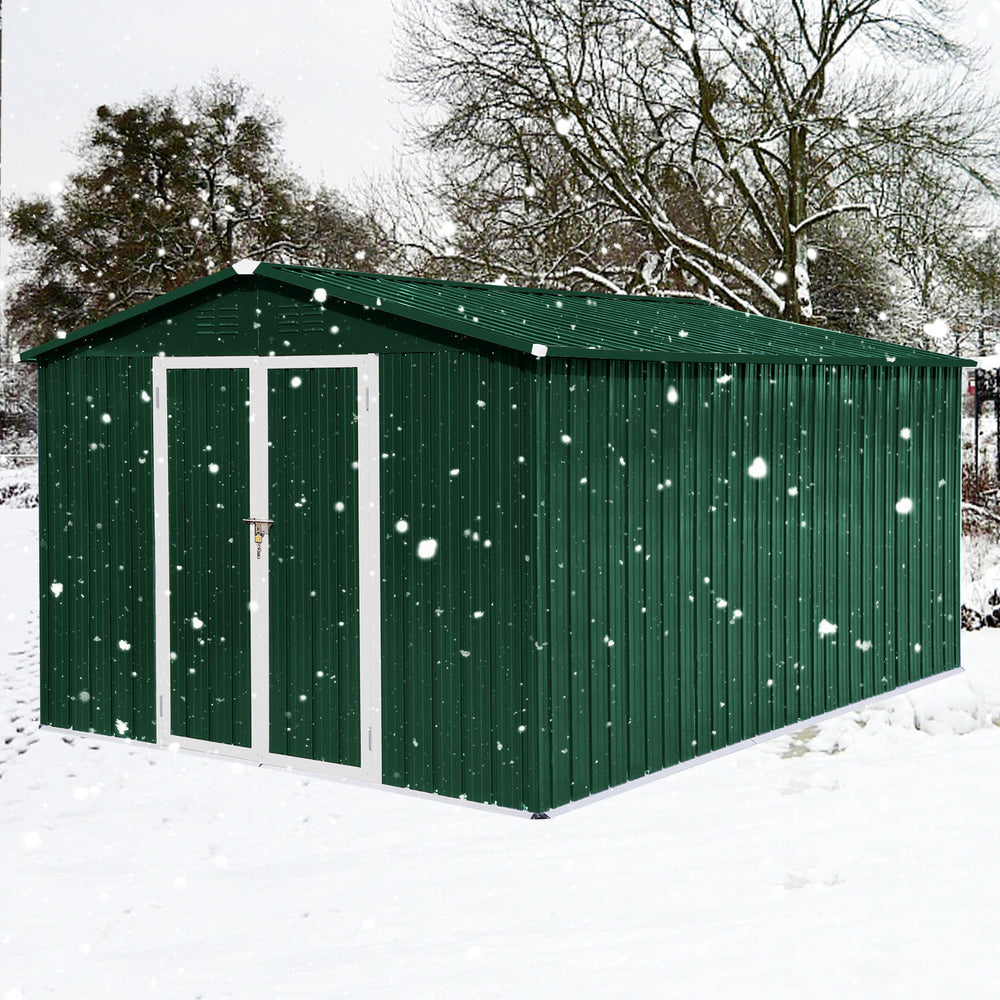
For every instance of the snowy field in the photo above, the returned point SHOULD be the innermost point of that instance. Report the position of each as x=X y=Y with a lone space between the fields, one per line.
x=857 y=859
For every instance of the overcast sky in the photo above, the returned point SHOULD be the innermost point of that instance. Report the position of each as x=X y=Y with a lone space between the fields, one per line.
x=323 y=62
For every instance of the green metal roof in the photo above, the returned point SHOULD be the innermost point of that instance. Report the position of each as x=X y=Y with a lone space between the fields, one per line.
x=565 y=324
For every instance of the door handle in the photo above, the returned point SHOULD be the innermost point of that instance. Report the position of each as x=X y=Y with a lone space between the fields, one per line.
x=259 y=527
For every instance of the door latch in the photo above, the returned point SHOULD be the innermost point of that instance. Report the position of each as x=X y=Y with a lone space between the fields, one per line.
x=258 y=528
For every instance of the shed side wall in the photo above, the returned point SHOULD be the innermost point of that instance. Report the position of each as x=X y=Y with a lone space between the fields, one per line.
x=96 y=546
x=688 y=604
x=457 y=715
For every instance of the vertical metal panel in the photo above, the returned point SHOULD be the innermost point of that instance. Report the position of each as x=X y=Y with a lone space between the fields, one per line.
x=691 y=604
x=97 y=649
x=456 y=628
x=207 y=468
x=314 y=605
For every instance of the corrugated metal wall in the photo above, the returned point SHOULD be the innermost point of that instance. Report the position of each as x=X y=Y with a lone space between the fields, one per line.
x=315 y=659
x=705 y=528
x=208 y=462
x=96 y=545
x=456 y=469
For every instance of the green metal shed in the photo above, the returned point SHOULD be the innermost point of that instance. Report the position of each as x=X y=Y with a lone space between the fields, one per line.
x=516 y=546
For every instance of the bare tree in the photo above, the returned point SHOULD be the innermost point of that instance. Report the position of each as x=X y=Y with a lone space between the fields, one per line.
x=696 y=146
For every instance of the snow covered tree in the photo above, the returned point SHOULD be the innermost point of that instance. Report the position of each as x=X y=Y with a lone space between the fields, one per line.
x=707 y=147
x=170 y=189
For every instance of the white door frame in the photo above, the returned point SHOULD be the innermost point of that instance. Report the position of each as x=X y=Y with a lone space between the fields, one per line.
x=369 y=570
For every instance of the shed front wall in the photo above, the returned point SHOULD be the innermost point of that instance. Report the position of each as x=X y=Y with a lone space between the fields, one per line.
x=456 y=433
x=687 y=601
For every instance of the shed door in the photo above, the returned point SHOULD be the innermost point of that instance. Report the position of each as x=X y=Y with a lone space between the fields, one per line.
x=315 y=647
x=274 y=658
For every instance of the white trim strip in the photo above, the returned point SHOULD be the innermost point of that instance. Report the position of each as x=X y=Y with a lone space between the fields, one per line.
x=161 y=550
x=260 y=619
x=369 y=568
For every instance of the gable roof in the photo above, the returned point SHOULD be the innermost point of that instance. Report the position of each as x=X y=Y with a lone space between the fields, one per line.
x=543 y=322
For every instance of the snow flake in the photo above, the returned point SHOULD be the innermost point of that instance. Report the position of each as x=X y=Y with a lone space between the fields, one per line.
x=564 y=126
x=196 y=622
x=757 y=468
x=106 y=418
x=124 y=645
x=56 y=588
x=402 y=527
x=295 y=381
x=793 y=491
x=723 y=379
x=780 y=277
x=213 y=468
x=427 y=548
x=672 y=395
x=539 y=350
x=319 y=295
x=906 y=433
x=478 y=614
x=827 y=628
x=904 y=505
x=863 y=644
x=565 y=439
x=122 y=727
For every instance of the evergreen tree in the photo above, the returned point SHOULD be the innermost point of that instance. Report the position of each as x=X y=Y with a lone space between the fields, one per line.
x=171 y=189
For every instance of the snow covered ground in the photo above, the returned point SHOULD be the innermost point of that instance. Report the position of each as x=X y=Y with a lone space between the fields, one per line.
x=857 y=859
